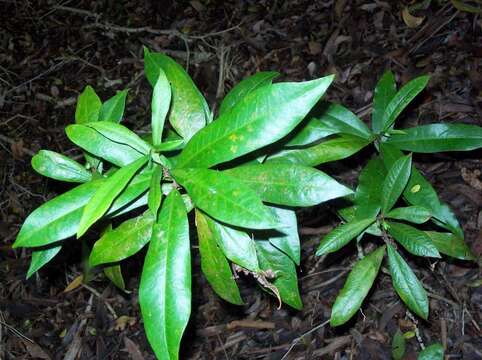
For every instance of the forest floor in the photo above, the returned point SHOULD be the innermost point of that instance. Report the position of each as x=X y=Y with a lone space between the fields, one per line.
x=50 y=50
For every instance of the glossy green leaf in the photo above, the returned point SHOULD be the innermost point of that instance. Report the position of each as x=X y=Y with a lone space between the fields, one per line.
x=214 y=264
x=114 y=274
x=406 y=284
x=59 y=167
x=340 y=118
x=395 y=182
x=244 y=87
x=161 y=101
x=225 y=198
x=88 y=106
x=438 y=137
x=95 y=143
x=432 y=352
x=165 y=287
x=360 y=212
x=413 y=240
x=450 y=244
x=189 y=110
x=289 y=184
x=155 y=194
x=236 y=245
x=370 y=182
x=286 y=281
x=113 y=109
x=310 y=131
x=262 y=117
x=123 y=241
x=337 y=148
x=414 y=214
x=356 y=287
x=398 y=345
x=342 y=235
x=105 y=195
x=40 y=257
x=287 y=239
x=384 y=92
x=401 y=100
x=170 y=145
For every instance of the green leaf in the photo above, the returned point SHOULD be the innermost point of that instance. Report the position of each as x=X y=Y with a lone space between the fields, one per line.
x=170 y=145
x=123 y=241
x=161 y=101
x=310 y=131
x=398 y=345
x=244 y=87
x=401 y=100
x=337 y=148
x=105 y=195
x=340 y=118
x=356 y=287
x=360 y=212
x=260 y=118
x=413 y=240
x=414 y=214
x=289 y=184
x=432 y=352
x=88 y=106
x=407 y=285
x=40 y=257
x=189 y=110
x=155 y=194
x=236 y=245
x=114 y=274
x=225 y=198
x=59 y=167
x=273 y=260
x=113 y=109
x=473 y=7
x=165 y=287
x=370 y=182
x=384 y=93
x=438 y=137
x=342 y=235
x=395 y=182
x=214 y=264
x=287 y=238
x=95 y=143
x=450 y=244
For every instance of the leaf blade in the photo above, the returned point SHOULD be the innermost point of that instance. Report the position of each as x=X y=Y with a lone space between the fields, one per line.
x=161 y=101
x=415 y=214
x=59 y=167
x=384 y=92
x=413 y=240
x=88 y=106
x=113 y=109
x=340 y=118
x=395 y=182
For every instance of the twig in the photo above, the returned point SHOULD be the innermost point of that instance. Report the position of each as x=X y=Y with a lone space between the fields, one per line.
x=97 y=294
x=298 y=339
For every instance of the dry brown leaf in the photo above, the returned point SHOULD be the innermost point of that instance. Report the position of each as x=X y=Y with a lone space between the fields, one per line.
x=74 y=284
x=123 y=321
x=410 y=20
x=35 y=351
x=133 y=349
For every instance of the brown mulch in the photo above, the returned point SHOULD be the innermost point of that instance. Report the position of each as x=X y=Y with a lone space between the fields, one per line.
x=51 y=49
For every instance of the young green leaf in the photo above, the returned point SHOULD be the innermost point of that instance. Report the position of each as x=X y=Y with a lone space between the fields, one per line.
x=236 y=245
x=155 y=194
x=356 y=287
x=165 y=287
x=262 y=117
x=401 y=100
x=342 y=235
x=214 y=264
x=340 y=118
x=287 y=239
x=398 y=345
x=310 y=131
x=88 y=106
x=289 y=184
x=225 y=198
x=432 y=352
x=113 y=109
x=114 y=274
x=406 y=284
x=438 y=137
x=95 y=143
x=244 y=87
x=395 y=182
x=450 y=244
x=59 y=167
x=384 y=92
x=170 y=145
x=413 y=240
x=286 y=281
x=105 y=195
x=123 y=241
x=414 y=214
x=189 y=110
x=337 y=148
x=161 y=101
x=40 y=257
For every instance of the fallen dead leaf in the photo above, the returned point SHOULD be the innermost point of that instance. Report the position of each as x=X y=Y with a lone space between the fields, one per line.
x=74 y=284
x=133 y=349
x=123 y=321
x=410 y=20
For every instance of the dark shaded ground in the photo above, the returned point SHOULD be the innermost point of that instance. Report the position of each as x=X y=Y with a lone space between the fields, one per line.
x=51 y=50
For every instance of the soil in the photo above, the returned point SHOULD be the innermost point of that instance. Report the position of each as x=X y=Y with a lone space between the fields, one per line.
x=52 y=49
